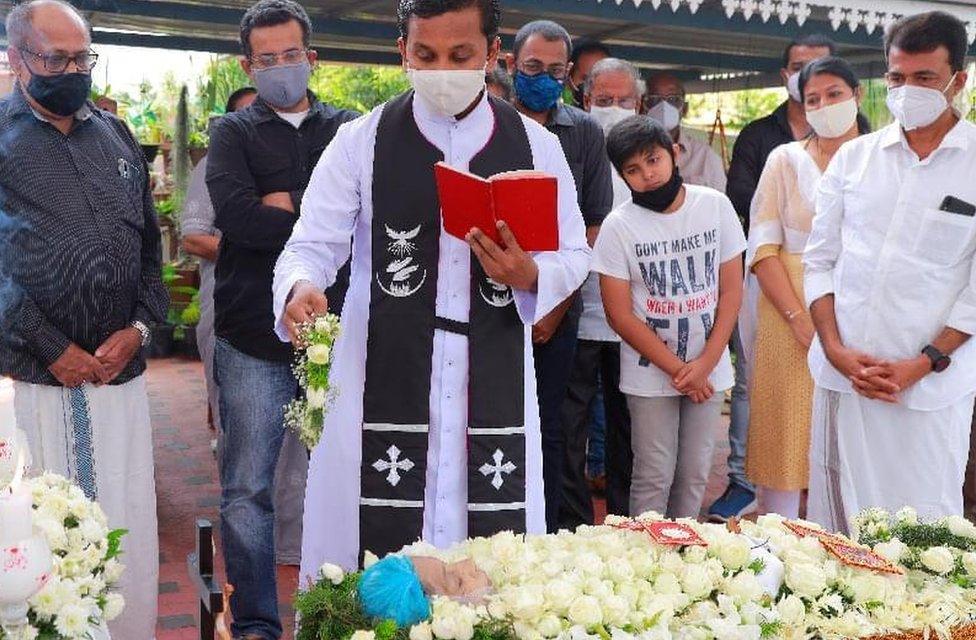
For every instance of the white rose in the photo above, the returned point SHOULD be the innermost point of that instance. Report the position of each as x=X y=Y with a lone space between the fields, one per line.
x=791 y=610
x=316 y=397
x=696 y=582
x=959 y=526
x=893 y=550
x=549 y=626
x=805 y=579
x=421 y=632
x=363 y=635
x=527 y=602
x=322 y=324
x=560 y=594
x=114 y=604
x=369 y=559
x=332 y=573
x=318 y=353
x=444 y=628
x=867 y=588
x=620 y=572
x=590 y=563
x=585 y=611
x=969 y=562
x=734 y=554
x=744 y=587
x=907 y=515
x=72 y=620
x=616 y=610
x=671 y=562
x=938 y=560
x=667 y=584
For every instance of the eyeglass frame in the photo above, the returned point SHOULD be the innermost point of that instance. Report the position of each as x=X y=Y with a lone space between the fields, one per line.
x=677 y=101
x=298 y=54
x=45 y=57
x=547 y=70
x=609 y=101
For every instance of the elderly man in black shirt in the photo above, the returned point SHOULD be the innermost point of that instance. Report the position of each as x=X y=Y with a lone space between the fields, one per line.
x=83 y=260
x=259 y=163
x=540 y=65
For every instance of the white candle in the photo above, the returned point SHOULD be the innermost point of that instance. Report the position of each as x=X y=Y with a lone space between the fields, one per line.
x=15 y=515
x=8 y=419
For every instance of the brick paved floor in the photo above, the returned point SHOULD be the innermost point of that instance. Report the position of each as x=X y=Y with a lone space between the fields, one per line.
x=187 y=489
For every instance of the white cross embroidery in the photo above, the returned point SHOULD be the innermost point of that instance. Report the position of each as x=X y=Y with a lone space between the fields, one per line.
x=394 y=465
x=497 y=469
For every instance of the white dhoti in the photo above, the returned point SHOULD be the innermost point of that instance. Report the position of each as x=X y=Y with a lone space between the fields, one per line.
x=102 y=440
x=866 y=453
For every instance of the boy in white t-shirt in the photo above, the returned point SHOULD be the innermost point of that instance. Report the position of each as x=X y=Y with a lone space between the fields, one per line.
x=671 y=279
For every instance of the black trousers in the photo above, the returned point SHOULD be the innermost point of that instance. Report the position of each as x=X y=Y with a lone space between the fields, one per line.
x=595 y=361
x=553 y=363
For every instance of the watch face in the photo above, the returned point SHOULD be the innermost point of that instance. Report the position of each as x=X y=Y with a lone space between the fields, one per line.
x=941 y=364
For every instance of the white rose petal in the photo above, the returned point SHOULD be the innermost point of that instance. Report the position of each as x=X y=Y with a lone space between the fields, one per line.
x=363 y=635
x=806 y=579
x=959 y=526
x=316 y=397
x=696 y=582
x=867 y=588
x=938 y=560
x=734 y=554
x=114 y=604
x=744 y=587
x=893 y=550
x=969 y=562
x=791 y=610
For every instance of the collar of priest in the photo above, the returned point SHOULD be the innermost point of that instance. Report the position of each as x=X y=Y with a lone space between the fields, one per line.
x=406 y=230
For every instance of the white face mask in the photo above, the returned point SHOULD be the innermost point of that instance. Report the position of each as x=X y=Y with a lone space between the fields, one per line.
x=914 y=107
x=793 y=87
x=833 y=120
x=447 y=91
x=606 y=117
x=666 y=114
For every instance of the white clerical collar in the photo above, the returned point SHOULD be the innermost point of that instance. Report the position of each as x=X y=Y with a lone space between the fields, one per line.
x=423 y=111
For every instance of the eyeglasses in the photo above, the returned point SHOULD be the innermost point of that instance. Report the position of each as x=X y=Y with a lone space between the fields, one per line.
x=608 y=101
x=292 y=56
x=676 y=101
x=58 y=62
x=534 y=68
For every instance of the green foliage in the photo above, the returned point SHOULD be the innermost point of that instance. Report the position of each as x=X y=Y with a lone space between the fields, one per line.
x=756 y=566
x=191 y=314
x=770 y=629
x=332 y=612
x=143 y=115
x=358 y=88
x=222 y=77
x=115 y=543
x=166 y=209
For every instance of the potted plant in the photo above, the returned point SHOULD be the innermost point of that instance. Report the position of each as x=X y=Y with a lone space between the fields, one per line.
x=187 y=329
x=198 y=146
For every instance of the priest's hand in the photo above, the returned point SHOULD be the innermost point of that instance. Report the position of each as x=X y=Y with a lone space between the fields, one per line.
x=305 y=303
x=117 y=351
x=75 y=367
x=509 y=265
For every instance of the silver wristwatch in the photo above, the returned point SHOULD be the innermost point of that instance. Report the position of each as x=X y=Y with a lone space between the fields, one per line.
x=143 y=331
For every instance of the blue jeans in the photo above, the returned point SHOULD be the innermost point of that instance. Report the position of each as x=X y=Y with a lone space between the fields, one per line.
x=253 y=394
x=739 y=421
x=597 y=435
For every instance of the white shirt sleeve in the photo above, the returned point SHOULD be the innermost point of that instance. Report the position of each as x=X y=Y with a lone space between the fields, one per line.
x=962 y=316
x=610 y=250
x=824 y=244
x=714 y=170
x=563 y=271
x=733 y=239
x=320 y=242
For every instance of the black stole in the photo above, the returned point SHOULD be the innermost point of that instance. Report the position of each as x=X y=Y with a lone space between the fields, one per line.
x=396 y=402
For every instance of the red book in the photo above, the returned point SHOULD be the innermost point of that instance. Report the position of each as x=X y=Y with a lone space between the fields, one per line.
x=525 y=200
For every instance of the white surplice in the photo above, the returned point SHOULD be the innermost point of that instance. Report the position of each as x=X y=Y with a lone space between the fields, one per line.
x=900 y=270
x=337 y=204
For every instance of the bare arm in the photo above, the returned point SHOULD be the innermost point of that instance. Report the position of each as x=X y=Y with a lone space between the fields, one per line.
x=632 y=329
x=202 y=246
x=778 y=289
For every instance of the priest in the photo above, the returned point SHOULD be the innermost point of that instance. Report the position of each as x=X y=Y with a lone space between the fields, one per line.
x=434 y=434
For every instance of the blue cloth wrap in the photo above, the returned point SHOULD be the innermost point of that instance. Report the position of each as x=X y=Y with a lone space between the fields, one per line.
x=391 y=590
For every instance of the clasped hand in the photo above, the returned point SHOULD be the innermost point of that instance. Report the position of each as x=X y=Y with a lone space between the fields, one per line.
x=692 y=380
x=76 y=366
x=878 y=379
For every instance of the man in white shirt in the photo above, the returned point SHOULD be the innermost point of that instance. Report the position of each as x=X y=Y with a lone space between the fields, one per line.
x=418 y=444
x=698 y=163
x=890 y=278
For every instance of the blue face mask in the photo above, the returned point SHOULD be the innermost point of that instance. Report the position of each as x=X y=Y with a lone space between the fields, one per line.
x=539 y=92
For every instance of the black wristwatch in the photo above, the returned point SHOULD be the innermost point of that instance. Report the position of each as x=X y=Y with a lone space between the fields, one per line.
x=940 y=361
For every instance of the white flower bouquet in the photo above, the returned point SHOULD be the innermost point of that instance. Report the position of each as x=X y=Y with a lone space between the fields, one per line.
x=79 y=595
x=614 y=583
x=313 y=361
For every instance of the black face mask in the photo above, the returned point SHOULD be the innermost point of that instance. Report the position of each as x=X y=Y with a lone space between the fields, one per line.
x=62 y=94
x=661 y=198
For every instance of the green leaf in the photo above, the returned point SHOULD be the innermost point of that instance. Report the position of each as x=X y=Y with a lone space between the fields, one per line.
x=115 y=543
